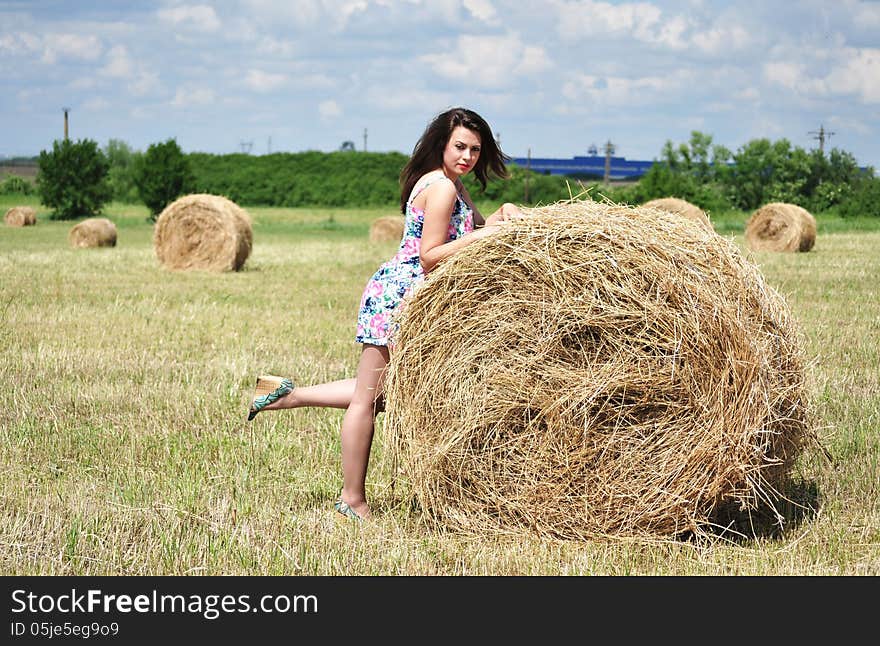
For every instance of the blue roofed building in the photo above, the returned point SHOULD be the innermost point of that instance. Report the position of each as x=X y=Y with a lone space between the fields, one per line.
x=620 y=168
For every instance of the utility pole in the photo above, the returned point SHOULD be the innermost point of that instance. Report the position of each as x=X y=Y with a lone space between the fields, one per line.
x=269 y=146
x=66 y=110
x=246 y=146
x=528 y=172
x=821 y=135
x=609 y=150
x=365 y=140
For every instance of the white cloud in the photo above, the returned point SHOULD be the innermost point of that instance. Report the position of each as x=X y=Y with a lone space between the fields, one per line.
x=96 y=104
x=83 y=83
x=261 y=81
x=855 y=74
x=329 y=110
x=144 y=83
x=720 y=40
x=784 y=73
x=490 y=61
x=18 y=43
x=290 y=13
x=403 y=98
x=482 y=10
x=190 y=95
x=866 y=15
x=119 y=63
x=62 y=46
x=590 y=90
x=859 y=75
x=195 y=17
x=588 y=18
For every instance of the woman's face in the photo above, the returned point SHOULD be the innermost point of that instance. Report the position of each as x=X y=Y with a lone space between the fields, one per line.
x=462 y=152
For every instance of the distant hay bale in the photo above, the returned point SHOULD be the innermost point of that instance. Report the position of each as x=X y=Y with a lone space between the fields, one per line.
x=387 y=227
x=589 y=372
x=681 y=207
x=20 y=216
x=202 y=231
x=779 y=226
x=93 y=232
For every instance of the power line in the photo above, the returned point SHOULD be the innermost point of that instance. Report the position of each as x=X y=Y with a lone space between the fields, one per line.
x=821 y=134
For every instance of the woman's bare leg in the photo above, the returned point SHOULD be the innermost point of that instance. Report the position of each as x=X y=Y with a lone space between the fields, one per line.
x=333 y=394
x=357 y=427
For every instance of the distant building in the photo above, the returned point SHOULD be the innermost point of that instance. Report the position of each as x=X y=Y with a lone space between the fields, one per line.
x=592 y=166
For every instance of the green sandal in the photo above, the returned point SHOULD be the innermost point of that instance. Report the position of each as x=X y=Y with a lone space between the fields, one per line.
x=342 y=507
x=269 y=389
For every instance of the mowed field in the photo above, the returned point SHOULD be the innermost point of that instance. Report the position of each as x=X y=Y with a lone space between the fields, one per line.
x=125 y=451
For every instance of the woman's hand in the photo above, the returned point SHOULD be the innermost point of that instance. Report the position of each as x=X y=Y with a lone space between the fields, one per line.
x=505 y=213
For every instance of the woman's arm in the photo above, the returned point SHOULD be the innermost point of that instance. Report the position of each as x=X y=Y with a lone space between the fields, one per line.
x=506 y=211
x=440 y=201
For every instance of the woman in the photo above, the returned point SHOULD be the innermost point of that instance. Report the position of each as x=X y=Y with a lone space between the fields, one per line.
x=440 y=220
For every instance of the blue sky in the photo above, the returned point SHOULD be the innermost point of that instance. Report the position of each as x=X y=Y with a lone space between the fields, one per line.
x=552 y=76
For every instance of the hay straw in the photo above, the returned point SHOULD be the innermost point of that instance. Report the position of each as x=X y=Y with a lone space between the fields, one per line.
x=93 y=232
x=202 y=231
x=681 y=207
x=591 y=372
x=387 y=227
x=779 y=226
x=20 y=216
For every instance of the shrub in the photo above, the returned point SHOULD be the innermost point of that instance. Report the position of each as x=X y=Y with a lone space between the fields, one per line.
x=15 y=185
x=863 y=199
x=162 y=175
x=72 y=179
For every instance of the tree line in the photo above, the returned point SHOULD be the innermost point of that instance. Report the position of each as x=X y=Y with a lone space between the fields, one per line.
x=76 y=179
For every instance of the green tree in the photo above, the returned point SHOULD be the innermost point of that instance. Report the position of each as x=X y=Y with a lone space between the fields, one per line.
x=72 y=179
x=121 y=178
x=162 y=175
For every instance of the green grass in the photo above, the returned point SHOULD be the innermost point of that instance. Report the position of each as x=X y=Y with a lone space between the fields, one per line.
x=125 y=450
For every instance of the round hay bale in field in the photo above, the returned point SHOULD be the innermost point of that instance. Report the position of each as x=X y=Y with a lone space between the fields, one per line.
x=93 y=232
x=779 y=226
x=202 y=231
x=589 y=372
x=681 y=207
x=20 y=216
x=387 y=227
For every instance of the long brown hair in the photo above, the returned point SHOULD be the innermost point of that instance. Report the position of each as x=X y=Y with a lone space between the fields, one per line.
x=427 y=154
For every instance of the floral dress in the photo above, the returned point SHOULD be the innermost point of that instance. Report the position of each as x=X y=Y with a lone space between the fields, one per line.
x=391 y=282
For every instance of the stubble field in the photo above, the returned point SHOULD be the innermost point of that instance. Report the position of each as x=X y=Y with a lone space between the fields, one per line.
x=125 y=449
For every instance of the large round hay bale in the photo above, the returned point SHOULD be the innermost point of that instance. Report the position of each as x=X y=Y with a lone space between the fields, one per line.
x=93 y=232
x=681 y=207
x=202 y=231
x=20 y=216
x=779 y=226
x=588 y=372
x=387 y=227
